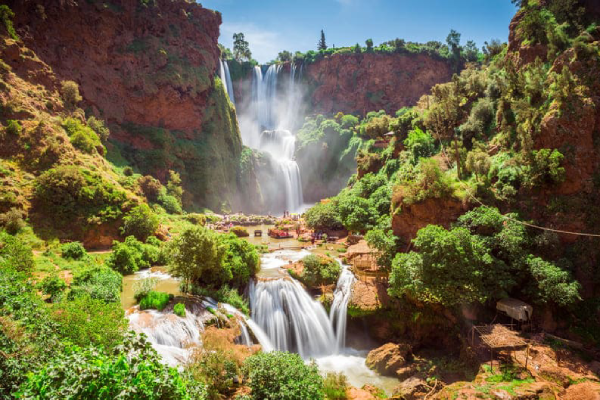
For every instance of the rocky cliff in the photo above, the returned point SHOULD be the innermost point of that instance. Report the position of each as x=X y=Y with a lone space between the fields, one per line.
x=359 y=83
x=147 y=68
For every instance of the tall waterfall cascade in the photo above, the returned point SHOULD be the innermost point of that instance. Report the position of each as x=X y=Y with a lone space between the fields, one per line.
x=273 y=111
x=293 y=321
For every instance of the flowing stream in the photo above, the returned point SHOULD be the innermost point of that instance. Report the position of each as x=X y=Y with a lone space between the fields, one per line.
x=284 y=317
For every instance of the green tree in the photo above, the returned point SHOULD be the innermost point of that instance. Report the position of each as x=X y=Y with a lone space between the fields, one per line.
x=70 y=93
x=369 y=43
x=322 y=45
x=15 y=254
x=197 y=256
x=241 y=48
x=284 y=56
x=283 y=376
x=419 y=143
x=471 y=51
x=140 y=222
x=320 y=270
x=174 y=185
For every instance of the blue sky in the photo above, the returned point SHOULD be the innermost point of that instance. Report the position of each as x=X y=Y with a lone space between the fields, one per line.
x=271 y=26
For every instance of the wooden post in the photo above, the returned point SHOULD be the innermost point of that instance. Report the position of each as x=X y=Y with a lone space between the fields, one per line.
x=526 y=356
x=491 y=359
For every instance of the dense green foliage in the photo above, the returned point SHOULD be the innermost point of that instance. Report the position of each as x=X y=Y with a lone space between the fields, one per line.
x=485 y=257
x=140 y=222
x=283 y=376
x=323 y=216
x=179 y=309
x=203 y=257
x=14 y=253
x=53 y=286
x=73 y=251
x=97 y=282
x=320 y=270
x=69 y=194
x=131 y=255
x=132 y=371
x=82 y=137
x=335 y=386
x=155 y=300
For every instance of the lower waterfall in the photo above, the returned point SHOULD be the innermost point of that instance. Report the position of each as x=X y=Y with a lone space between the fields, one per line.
x=293 y=321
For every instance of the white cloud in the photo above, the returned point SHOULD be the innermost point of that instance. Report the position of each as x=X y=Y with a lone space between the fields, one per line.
x=264 y=44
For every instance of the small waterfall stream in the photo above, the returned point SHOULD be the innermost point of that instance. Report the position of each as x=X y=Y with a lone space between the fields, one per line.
x=226 y=79
x=339 y=307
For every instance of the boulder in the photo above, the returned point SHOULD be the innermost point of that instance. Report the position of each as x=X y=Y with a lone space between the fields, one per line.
x=411 y=389
x=389 y=358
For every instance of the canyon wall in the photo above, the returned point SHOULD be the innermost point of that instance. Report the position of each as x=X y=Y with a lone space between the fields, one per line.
x=147 y=68
x=359 y=83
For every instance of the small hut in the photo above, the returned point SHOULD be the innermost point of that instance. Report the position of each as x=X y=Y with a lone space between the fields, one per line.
x=499 y=338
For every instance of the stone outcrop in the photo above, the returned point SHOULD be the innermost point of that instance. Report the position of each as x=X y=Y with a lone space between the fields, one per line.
x=389 y=358
x=359 y=83
x=408 y=219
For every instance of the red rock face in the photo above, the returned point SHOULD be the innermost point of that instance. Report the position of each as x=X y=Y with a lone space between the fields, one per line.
x=147 y=65
x=359 y=83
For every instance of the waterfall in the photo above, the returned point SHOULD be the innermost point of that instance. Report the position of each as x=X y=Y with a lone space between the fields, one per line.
x=292 y=320
x=229 y=82
x=170 y=335
x=270 y=114
x=226 y=79
x=339 y=308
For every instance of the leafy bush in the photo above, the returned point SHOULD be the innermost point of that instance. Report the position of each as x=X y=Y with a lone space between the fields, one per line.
x=13 y=127
x=128 y=171
x=26 y=331
x=12 y=221
x=224 y=294
x=98 y=126
x=140 y=222
x=169 y=203
x=131 y=371
x=196 y=219
x=156 y=300
x=320 y=270
x=82 y=137
x=84 y=321
x=545 y=168
x=323 y=216
x=553 y=283
x=131 y=255
x=6 y=15
x=70 y=93
x=68 y=193
x=98 y=283
x=239 y=231
x=52 y=285
x=179 y=310
x=419 y=143
x=335 y=386
x=283 y=376
x=430 y=182
x=15 y=254
x=151 y=187
x=142 y=287
x=73 y=251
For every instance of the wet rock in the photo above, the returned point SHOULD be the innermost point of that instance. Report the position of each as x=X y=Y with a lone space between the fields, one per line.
x=389 y=358
x=411 y=389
